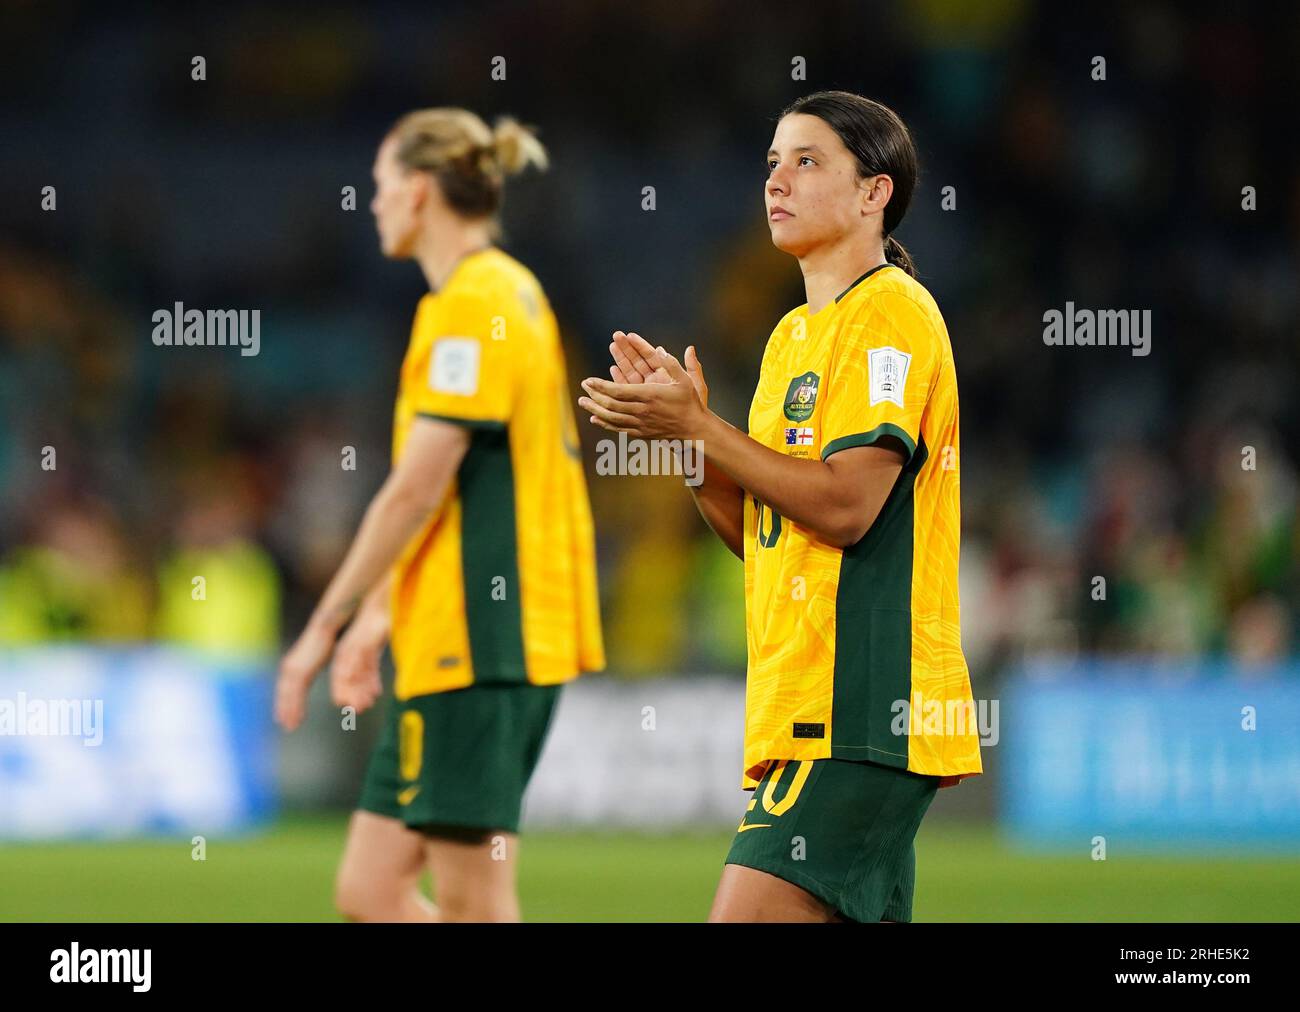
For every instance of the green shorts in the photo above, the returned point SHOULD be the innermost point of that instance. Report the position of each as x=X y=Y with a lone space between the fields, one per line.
x=459 y=761
x=839 y=829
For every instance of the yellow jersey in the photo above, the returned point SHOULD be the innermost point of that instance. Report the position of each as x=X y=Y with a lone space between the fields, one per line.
x=855 y=653
x=500 y=584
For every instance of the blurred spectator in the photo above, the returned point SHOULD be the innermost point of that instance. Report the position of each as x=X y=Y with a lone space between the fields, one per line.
x=74 y=580
x=219 y=591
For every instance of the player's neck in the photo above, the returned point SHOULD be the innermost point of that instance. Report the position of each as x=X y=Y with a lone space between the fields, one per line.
x=828 y=271
x=439 y=253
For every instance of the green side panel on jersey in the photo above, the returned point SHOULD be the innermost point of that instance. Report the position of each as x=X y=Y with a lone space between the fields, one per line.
x=490 y=559
x=873 y=630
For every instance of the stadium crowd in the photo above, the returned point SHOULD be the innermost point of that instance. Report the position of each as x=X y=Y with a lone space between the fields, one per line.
x=1171 y=479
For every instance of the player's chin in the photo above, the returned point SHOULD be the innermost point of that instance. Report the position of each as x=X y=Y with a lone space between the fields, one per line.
x=395 y=249
x=786 y=236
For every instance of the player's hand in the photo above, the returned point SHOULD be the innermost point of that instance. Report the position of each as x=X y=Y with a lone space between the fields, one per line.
x=636 y=360
x=297 y=671
x=354 y=675
x=669 y=410
x=696 y=372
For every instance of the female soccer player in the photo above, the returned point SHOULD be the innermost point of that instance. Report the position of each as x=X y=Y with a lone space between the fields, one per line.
x=843 y=501
x=476 y=557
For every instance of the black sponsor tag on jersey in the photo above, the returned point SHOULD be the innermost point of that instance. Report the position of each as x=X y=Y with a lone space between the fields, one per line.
x=810 y=730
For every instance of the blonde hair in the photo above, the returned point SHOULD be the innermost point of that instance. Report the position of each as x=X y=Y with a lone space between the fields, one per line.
x=469 y=159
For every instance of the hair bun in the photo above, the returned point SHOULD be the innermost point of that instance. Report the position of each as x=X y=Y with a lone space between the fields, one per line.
x=515 y=147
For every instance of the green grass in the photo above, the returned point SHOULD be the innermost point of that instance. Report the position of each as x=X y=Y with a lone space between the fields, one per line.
x=963 y=873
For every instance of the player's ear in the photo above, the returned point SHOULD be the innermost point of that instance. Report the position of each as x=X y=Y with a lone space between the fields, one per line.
x=876 y=191
x=424 y=188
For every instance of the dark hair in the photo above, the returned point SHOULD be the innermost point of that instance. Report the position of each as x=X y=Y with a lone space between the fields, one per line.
x=880 y=143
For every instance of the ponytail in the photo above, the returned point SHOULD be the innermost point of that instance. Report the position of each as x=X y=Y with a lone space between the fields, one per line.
x=896 y=254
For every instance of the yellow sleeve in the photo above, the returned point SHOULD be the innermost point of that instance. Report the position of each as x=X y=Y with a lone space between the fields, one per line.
x=880 y=377
x=462 y=372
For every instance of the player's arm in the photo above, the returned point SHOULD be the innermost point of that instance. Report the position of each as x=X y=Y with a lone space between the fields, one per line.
x=838 y=499
x=720 y=501
x=376 y=603
x=354 y=675
x=413 y=490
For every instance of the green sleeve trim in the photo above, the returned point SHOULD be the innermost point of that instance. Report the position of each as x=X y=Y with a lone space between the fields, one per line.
x=867 y=438
x=487 y=424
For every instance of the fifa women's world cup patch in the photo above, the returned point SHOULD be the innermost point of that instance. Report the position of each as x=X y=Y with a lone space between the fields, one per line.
x=888 y=370
x=801 y=397
x=454 y=366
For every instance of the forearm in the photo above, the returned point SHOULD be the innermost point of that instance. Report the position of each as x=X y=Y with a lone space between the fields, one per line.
x=837 y=500
x=376 y=607
x=392 y=519
x=805 y=491
x=721 y=503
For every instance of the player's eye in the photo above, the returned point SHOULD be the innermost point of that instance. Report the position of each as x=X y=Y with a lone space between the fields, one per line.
x=771 y=164
x=806 y=158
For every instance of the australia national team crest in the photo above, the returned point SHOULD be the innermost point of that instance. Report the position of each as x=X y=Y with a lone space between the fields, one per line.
x=801 y=397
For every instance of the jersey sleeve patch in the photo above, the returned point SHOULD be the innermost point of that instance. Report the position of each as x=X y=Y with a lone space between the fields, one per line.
x=888 y=368
x=454 y=367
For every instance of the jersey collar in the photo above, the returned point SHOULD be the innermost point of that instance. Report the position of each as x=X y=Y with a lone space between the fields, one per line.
x=878 y=267
x=457 y=265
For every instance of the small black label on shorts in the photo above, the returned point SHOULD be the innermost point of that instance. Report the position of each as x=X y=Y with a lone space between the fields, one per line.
x=810 y=730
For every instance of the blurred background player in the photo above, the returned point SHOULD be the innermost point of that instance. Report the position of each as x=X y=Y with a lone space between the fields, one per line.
x=476 y=557
x=844 y=502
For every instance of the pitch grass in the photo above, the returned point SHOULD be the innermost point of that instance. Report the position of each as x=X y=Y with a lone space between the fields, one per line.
x=964 y=873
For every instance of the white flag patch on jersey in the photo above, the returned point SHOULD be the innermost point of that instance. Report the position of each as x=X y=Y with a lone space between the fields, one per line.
x=888 y=369
x=454 y=369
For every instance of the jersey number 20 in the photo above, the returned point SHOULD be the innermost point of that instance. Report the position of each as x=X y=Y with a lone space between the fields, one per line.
x=773 y=521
